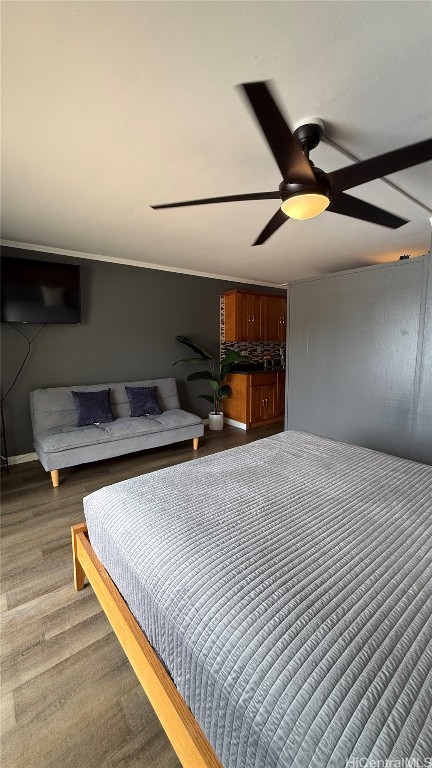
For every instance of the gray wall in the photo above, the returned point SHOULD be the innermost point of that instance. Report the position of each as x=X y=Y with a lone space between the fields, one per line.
x=130 y=317
x=360 y=357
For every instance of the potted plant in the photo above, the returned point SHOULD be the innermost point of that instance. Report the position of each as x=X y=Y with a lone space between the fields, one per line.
x=216 y=378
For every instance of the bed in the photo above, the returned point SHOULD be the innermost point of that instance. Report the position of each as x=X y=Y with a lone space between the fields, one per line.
x=275 y=601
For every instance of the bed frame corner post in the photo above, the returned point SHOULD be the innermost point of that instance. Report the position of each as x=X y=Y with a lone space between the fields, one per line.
x=79 y=575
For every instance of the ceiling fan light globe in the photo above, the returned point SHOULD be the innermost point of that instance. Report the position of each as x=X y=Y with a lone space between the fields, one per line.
x=305 y=205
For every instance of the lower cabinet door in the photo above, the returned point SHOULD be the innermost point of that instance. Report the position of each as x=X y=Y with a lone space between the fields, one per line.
x=281 y=394
x=256 y=403
x=271 y=406
x=263 y=402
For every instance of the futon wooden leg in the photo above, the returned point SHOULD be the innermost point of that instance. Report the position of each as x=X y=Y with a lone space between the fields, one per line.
x=55 y=478
x=79 y=575
x=195 y=443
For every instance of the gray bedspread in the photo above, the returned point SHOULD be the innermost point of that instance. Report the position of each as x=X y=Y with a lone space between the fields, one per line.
x=287 y=587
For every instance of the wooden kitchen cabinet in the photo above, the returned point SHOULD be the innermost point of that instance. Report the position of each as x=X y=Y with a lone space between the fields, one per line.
x=254 y=317
x=257 y=398
x=243 y=316
x=263 y=402
x=281 y=394
x=250 y=315
x=274 y=310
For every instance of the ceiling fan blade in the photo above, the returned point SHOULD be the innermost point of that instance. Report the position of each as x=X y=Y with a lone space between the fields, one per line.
x=381 y=165
x=275 y=222
x=228 y=199
x=286 y=149
x=359 y=209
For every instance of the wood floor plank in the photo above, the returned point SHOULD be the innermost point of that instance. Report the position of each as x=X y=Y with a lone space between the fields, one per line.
x=70 y=615
x=17 y=669
x=29 y=617
x=11 y=567
x=62 y=743
x=37 y=580
x=3 y=603
x=11 y=518
x=31 y=634
x=99 y=666
x=69 y=696
x=41 y=606
x=7 y=719
x=154 y=752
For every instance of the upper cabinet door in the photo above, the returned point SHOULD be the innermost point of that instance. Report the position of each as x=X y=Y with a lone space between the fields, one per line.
x=243 y=317
x=283 y=317
x=274 y=314
x=254 y=317
x=232 y=314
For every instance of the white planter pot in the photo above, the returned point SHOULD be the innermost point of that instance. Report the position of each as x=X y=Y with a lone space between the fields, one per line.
x=216 y=421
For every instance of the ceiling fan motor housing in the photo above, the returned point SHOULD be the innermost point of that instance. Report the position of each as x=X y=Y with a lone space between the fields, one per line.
x=309 y=133
x=321 y=187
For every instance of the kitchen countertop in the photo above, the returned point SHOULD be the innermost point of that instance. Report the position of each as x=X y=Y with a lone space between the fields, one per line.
x=259 y=370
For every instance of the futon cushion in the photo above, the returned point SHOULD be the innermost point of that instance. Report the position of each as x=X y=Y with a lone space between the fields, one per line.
x=143 y=401
x=175 y=418
x=68 y=438
x=93 y=407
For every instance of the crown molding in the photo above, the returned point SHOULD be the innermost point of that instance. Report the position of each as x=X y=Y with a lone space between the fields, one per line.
x=130 y=262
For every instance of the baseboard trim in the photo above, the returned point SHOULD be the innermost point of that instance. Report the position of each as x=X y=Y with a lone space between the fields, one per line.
x=22 y=458
x=233 y=423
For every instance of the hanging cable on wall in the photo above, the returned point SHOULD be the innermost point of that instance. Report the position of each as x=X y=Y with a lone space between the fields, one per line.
x=4 y=450
x=29 y=343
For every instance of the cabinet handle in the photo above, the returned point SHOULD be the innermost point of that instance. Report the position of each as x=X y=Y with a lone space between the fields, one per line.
x=253 y=318
x=262 y=402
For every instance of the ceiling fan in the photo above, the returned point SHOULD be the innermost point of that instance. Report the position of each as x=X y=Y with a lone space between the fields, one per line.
x=306 y=190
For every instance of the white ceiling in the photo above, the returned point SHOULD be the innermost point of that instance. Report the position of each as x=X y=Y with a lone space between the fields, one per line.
x=111 y=106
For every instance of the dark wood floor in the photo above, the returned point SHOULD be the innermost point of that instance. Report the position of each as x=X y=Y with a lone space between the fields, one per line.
x=69 y=697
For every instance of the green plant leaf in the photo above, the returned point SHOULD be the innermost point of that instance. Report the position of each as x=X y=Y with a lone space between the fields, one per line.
x=199 y=375
x=189 y=360
x=228 y=361
x=207 y=397
x=215 y=384
x=225 y=391
x=195 y=347
x=232 y=356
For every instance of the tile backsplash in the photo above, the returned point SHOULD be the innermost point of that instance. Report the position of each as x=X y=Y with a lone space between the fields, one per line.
x=256 y=351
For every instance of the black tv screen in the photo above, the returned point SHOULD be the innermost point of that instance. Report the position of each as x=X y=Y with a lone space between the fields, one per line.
x=39 y=292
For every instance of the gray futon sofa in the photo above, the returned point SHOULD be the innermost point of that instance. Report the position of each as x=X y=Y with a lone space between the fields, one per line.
x=60 y=443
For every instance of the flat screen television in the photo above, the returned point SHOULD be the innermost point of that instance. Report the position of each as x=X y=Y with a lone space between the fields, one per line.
x=39 y=292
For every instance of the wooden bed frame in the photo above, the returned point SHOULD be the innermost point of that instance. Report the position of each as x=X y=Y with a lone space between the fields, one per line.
x=183 y=731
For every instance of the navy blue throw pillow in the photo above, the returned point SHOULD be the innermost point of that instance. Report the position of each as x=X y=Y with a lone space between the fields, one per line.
x=143 y=401
x=93 y=407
